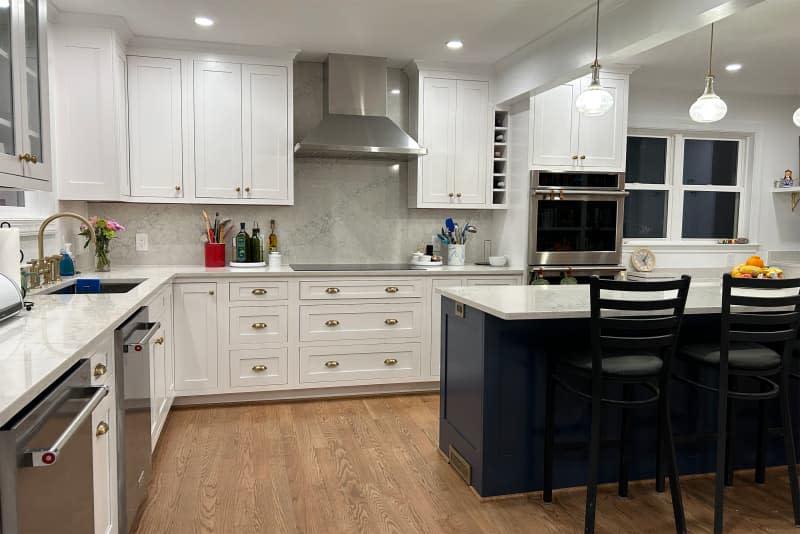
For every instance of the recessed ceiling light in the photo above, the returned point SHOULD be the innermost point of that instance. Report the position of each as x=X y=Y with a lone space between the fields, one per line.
x=203 y=21
x=395 y=91
x=455 y=44
x=733 y=67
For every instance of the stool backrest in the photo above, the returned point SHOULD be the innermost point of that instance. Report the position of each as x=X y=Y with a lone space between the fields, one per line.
x=772 y=314
x=640 y=317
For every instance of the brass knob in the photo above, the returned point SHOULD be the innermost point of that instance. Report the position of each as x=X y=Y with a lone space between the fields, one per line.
x=331 y=364
x=100 y=369
x=102 y=429
x=575 y=156
x=390 y=361
x=238 y=189
x=33 y=158
x=331 y=323
x=332 y=290
x=177 y=188
x=159 y=341
x=458 y=195
x=24 y=157
x=391 y=322
x=259 y=326
x=211 y=292
x=450 y=195
x=246 y=189
x=259 y=291
x=392 y=289
x=259 y=368
x=583 y=157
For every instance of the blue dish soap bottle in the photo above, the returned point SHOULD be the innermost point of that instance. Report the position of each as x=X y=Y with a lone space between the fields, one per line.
x=67 y=266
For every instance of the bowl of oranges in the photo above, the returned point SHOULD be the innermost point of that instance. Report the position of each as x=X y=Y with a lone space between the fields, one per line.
x=754 y=268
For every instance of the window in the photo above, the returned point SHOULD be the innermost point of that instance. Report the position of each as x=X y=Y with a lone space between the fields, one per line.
x=684 y=186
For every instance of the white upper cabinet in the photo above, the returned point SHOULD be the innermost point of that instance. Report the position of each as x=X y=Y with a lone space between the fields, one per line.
x=24 y=110
x=155 y=127
x=218 y=129
x=451 y=118
x=89 y=108
x=265 y=133
x=563 y=139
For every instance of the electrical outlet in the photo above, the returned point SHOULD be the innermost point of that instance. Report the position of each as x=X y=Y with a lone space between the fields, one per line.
x=141 y=243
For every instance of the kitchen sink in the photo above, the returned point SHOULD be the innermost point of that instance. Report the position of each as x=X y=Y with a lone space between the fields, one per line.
x=79 y=286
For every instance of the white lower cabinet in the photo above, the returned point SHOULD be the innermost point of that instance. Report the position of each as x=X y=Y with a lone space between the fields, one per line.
x=436 y=321
x=196 y=333
x=104 y=460
x=162 y=382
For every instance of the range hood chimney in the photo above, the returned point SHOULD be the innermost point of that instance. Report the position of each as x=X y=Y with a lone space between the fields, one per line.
x=354 y=123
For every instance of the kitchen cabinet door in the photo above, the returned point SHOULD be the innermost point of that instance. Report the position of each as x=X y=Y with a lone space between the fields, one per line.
x=471 y=142
x=436 y=320
x=555 y=127
x=104 y=466
x=195 y=324
x=439 y=105
x=158 y=384
x=602 y=140
x=155 y=127
x=218 y=129
x=265 y=132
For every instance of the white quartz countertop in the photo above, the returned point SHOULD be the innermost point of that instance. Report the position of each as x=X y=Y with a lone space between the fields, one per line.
x=37 y=347
x=563 y=302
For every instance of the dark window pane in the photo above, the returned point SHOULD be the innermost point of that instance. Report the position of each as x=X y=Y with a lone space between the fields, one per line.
x=707 y=162
x=12 y=198
x=645 y=214
x=708 y=214
x=646 y=162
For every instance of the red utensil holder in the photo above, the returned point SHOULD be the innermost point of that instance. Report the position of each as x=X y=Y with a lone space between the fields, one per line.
x=215 y=254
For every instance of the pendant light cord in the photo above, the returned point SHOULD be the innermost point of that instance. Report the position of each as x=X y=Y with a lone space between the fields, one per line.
x=711 y=49
x=597 y=33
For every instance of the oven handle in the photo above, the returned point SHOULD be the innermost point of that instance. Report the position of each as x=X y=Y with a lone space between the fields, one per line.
x=48 y=456
x=582 y=192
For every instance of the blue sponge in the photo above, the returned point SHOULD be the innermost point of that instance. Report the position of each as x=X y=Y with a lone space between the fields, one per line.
x=87 y=285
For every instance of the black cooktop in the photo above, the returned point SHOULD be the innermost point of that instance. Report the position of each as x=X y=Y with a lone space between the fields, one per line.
x=353 y=267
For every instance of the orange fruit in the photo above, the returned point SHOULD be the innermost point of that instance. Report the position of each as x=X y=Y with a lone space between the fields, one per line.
x=755 y=261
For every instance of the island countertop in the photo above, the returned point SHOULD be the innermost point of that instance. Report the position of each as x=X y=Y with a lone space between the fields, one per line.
x=563 y=301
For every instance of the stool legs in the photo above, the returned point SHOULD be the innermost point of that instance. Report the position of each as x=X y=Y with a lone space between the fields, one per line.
x=761 y=461
x=624 y=444
x=788 y=440
x=730 y=446
x=660 y=451
x=719 y=479
x=594 y=457
x=669 y=445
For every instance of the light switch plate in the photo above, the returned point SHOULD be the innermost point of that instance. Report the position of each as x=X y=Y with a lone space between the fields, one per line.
x=141 y=243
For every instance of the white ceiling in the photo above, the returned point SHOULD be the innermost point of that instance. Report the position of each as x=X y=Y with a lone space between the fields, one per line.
x=765 y=39
x=398 y=29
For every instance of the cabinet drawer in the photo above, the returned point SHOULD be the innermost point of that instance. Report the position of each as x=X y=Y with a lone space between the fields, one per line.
x=335 y=364
x=361 y=289
x=258 y=324
x=258 y=291
x=258 y=367
x=333 y=322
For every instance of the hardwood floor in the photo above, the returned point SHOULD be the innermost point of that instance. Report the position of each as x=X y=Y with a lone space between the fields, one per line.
x=371 y=465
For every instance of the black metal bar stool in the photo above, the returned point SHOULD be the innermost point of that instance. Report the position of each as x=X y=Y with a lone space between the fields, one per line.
x=771 y=315
x=634 y=333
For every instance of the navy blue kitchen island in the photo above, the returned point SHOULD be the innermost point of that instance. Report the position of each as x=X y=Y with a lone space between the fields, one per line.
x=495 y=342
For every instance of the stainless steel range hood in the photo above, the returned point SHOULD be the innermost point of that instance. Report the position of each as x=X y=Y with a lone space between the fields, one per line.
x=354 y=123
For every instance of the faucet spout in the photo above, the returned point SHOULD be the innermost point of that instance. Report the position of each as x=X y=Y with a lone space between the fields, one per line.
x=59 y=215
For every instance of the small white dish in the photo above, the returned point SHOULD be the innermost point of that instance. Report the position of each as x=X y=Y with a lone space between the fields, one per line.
x=497 y=261
x=248 y=264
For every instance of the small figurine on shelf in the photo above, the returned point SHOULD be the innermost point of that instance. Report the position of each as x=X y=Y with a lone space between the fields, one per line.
x=788 y=181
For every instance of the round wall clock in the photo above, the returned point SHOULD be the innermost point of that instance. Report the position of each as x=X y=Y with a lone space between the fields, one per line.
x=643 y=260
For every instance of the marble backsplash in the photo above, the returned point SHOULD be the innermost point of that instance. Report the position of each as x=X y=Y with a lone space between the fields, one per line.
x=345 y=211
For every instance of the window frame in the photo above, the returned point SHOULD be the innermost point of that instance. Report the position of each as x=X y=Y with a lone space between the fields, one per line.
x=675 y=188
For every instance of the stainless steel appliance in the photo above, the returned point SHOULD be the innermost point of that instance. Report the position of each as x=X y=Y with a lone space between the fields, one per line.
x=10 y=298
x=46 y=471
x=576 y=218
x=132 y=368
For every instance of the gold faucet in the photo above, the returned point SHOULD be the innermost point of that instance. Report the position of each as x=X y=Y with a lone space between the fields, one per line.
x=42 y=260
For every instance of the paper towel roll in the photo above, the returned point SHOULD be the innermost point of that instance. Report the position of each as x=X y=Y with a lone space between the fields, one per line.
x=9 y=253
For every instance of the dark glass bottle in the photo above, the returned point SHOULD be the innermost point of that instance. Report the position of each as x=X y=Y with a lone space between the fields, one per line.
x=273 y=239
x=257 y=245
x=242 y=245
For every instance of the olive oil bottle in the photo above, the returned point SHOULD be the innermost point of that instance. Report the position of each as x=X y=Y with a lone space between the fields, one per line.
x=256 y=245
x=273 y=239
x=242 y=245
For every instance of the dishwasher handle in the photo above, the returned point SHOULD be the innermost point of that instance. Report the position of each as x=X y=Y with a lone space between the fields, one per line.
x=48 y=456
x=136 y=343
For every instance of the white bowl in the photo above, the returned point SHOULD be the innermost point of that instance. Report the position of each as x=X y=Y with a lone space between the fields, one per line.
x=497 y=261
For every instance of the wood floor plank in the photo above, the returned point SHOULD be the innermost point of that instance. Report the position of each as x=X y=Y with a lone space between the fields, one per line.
x=371 y=466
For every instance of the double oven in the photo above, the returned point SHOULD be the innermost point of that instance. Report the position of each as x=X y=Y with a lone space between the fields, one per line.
x=576 y=220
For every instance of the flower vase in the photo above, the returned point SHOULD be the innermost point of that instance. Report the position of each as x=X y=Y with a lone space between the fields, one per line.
x=101 y=255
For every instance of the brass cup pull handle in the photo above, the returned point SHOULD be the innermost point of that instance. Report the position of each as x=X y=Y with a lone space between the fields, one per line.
x=332 y=290
x=390 y=361
x=259 y=291
x=102 y=429
x=331 y=364
x=259 y=368
x=259 y=326
x=159 y=341
x=331 y=323
x=100 y=369
x=392 y=289
x=391 y=322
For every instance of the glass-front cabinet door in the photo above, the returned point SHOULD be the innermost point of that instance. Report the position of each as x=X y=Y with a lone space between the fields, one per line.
x=35 y=139
x=8 y=125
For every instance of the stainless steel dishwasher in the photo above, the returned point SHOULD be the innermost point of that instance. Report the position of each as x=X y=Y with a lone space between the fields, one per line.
x=132 y=380
x=46 y=471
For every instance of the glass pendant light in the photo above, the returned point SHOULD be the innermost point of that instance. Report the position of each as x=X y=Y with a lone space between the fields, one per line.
x=796 y=117
x=595 y=100
x=708 y=107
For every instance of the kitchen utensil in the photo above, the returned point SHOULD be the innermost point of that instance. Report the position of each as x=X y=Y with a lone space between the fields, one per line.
x=497 y=261
x=209 y=230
